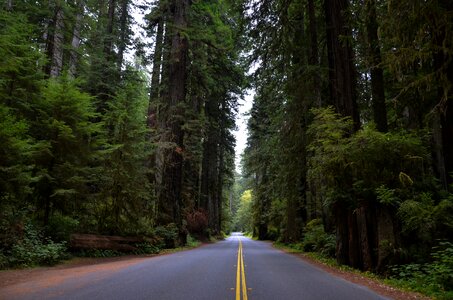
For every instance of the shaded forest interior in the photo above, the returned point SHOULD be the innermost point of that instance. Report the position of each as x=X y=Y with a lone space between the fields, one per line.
x=350 y=152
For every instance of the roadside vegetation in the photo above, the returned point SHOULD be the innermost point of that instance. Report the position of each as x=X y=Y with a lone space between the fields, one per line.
x=430 y=279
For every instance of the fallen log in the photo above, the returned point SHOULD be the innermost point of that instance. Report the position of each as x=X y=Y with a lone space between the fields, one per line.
x=105 y=242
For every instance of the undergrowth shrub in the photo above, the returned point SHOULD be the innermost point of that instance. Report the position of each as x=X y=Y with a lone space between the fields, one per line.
x=146 y=248
x=34 y=249
x=317 y=240
x=191 y=241
x=435 y=277
x=61 y=227
x=167 y=234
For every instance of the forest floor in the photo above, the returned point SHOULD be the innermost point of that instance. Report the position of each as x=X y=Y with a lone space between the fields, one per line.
x=355 y=277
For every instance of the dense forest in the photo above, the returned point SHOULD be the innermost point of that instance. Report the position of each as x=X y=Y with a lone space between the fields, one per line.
x=107 y=131
x=110 y=125
x=350 y=149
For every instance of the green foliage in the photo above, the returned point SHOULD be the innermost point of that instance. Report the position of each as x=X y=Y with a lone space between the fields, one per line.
x=60 y=227
x=168 y=234
x=317 y=240
x=370 y=161
x=125 y=195
x=426 y=218
x=65 y=124
x=243 y=217
x=34 y=249
x=386 y=196
x=17 y=147
x=20 y=63
x=434 y=278
x=192 y=242
x=147 y=248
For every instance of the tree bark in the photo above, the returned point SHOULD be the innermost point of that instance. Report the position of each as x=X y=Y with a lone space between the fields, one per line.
x=313 y=58
x=377 y=75
x=108 y=42
x=155 y=75
x=170 y=198
x=123 y=32
x=342 y=73
x=55 y=40
x=75 y=43
x=366 y=261
x=342 y=233
x=342 y=85
x=443 y=64
x=210 y=165
x=447 y=138
x=386 y=240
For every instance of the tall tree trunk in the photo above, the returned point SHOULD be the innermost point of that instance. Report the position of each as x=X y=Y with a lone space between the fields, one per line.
x=123 y=32
x=155 y=160
x=342 y=86
x=108 y=42
x=342 y=73
x=55 y=40
x=170 y=198
x=155 y=75
x=377 y=75
x=365 y=238
x=386 y=238
x=443 y=64
x=210 y=164
x=75 y=43
x=447 y=137
x=221 y=169
x=162 y=113
x=342 y=232
x=263 y=203
x=313 y=58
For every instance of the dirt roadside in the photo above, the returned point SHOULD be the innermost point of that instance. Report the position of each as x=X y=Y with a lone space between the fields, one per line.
x=76 y=266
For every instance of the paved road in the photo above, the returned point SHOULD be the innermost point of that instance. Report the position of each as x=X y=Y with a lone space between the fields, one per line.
x=224 y=270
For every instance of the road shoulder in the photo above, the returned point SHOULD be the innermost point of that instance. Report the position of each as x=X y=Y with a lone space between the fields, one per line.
x=357 y=278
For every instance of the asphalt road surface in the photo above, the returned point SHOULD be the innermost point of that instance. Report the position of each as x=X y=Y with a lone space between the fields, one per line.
x=236 y=268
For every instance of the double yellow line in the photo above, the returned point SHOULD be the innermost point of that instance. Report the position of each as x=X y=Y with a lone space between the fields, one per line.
x=240 y=274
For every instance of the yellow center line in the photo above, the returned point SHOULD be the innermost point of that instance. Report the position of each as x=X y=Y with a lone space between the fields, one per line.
x=244 y=286
x=238 y=276
x=240 y=273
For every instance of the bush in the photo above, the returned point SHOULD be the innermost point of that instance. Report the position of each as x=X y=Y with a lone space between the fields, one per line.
x=191 y=241
x=33 y=250
x=168 y=234
x=435 y=277
x=146 y=248
x=61 y=227
x=316 y=239
x=4 y=261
